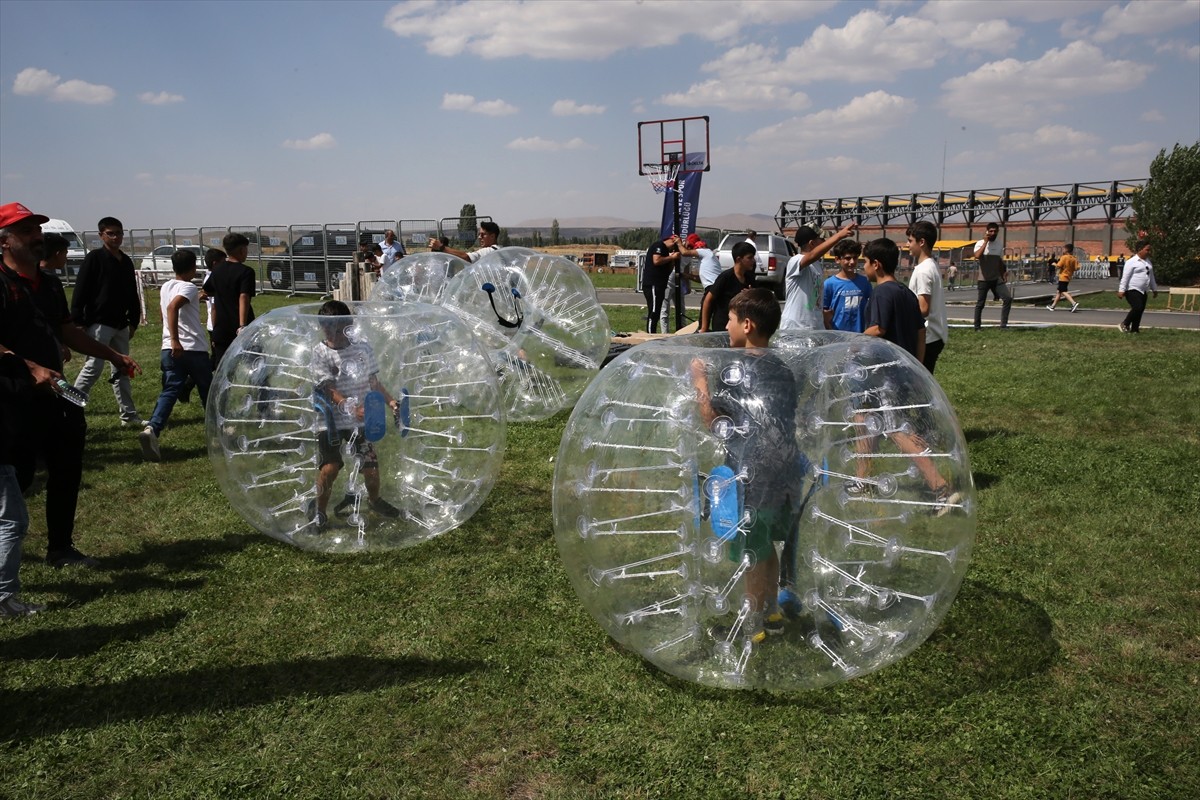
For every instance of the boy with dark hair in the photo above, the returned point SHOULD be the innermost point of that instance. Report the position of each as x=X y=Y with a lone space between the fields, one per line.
x=762 y=452
x=895 y=314
x=231 y=284
x=845 y=294
x=926 y=284
x=184 y=349
x=1136 y=279
x=488 y=236
x=714 y=308
x=892 y=312
x=802 y=282
x=105 y=303
x=993 y=275
x=344 y=371
x=1067 y=265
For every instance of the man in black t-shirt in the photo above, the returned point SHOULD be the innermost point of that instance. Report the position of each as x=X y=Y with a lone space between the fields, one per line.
x=661 y=259
x=231 y=284
x=714 y=310
x=893 y=312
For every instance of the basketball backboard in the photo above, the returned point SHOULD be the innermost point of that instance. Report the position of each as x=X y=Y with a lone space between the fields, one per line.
x=682 y=141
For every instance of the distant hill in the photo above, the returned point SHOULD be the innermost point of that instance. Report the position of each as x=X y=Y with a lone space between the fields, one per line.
x=595 y=226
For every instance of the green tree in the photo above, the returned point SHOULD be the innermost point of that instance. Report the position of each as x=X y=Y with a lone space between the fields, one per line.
x=466 y=223
x=1167 y=211
x=554 y=233
x=503 y=239
x=637 y=238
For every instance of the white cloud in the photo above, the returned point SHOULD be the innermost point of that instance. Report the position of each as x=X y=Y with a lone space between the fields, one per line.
x=1146 y=17
x=569 y=108
x=863 y=118
x=738 y=96
x=322 y=141
x=749 y=78
x=580 y=31
x=466 y=102
x=33 y=81
x=1183 y=49
x=1013 y=93
x=537 y=144
x=1024 y=10
x=871 y=46
x=1152 y=116
x=160 y=98
x=1050 y=141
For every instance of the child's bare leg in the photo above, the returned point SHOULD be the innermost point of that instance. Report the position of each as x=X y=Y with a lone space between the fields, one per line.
x=371 y=479
x=914 y=446
x=762 y=581
x=325 y=478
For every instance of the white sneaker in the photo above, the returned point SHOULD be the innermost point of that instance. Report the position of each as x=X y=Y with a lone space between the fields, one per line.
x=136 y=422
x=1074 y=308
x=149 y=440
x=1051 y=307
x=13 y=606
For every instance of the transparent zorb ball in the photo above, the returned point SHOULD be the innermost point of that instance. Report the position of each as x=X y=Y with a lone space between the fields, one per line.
x=699 y=488
x=396 y=405
x=540 y=322
x=421 y=278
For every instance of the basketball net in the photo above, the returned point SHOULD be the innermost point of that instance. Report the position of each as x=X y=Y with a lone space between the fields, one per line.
x=662 y=176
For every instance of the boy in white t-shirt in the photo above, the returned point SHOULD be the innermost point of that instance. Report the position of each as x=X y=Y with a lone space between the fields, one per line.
x=804 y=278
x=184 y=348
x=926 y=284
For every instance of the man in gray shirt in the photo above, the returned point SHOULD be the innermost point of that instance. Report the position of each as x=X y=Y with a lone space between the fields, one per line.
x=993 y=275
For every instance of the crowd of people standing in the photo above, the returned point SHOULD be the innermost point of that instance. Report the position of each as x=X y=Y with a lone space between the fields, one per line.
x=42 y=415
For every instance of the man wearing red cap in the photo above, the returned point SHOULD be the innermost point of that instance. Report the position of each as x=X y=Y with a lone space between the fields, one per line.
x=34 y=320
x=710 y=265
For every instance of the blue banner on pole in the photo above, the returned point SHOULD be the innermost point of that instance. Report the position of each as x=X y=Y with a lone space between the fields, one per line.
x=687 y=195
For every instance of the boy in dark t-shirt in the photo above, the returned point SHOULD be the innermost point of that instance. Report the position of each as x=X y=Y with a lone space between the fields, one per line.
x=893 y=312
x=714 y=309
x=753 y=403
x=231 y=285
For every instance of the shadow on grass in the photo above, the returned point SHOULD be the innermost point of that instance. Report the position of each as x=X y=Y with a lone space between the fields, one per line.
x=45 y=711
x=988 y=639
x=84 y=640
x=184 y=555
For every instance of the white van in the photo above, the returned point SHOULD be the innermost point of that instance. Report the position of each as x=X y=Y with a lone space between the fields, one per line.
x=75 y=250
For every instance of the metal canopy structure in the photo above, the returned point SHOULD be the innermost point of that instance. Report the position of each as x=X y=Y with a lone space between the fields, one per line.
x=1105 y=201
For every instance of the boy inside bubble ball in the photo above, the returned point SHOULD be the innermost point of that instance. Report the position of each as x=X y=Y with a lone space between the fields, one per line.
x=344 y=371
x=751 y=407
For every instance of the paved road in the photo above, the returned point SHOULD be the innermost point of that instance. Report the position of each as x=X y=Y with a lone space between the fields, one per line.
x=960 y=307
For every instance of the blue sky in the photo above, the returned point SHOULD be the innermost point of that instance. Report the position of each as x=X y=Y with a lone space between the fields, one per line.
x=218 y=113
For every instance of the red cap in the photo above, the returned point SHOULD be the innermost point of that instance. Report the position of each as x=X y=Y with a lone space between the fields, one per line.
x=12 y=213
x=693 y=240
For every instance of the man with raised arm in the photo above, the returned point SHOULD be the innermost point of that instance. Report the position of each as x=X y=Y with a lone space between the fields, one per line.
x=489 y=232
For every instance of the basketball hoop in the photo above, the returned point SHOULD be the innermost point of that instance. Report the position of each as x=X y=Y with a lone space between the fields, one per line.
x=662 y=176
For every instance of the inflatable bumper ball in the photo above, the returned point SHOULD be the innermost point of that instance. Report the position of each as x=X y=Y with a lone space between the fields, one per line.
x=419 y=278
x=541 y=324
x=374 y=430
x=779 y=519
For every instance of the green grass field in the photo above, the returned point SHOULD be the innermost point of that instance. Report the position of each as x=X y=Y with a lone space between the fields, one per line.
x=206 y=660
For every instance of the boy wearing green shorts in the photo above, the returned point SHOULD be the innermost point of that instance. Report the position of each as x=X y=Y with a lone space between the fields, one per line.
x=756 y=400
